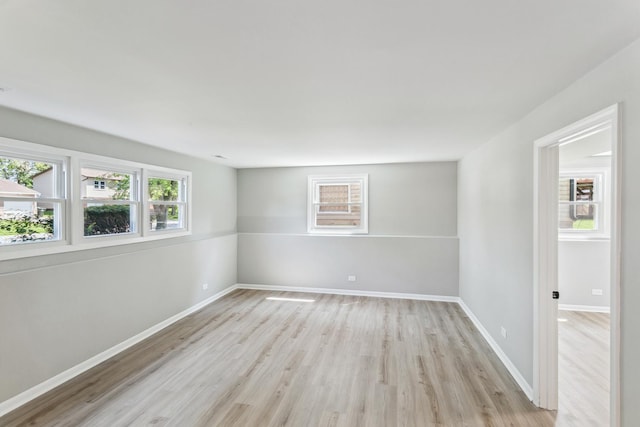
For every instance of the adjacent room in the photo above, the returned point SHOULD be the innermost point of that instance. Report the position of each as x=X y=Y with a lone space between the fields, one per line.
x=319 y=214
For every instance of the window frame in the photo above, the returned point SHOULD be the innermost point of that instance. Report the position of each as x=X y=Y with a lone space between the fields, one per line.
x=34 y=152
x=313 y=184
x=600 y=195
x=171 y=174
x=72 y=214
x=134 y=196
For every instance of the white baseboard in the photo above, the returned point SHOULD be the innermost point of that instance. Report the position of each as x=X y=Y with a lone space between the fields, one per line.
x=589 y=308
x=48 y=385
x=515 y=373
x=353 y=292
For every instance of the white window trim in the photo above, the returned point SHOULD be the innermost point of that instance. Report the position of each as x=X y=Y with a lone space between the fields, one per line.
x=116 y=166
x=601 y=193
x=313 y=181
x=72 y=227
x=172 y=174
x=62 y=230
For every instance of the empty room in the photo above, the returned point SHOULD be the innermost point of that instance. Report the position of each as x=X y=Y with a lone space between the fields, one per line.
x=409 y=213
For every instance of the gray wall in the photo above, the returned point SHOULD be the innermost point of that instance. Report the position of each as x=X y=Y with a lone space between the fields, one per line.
x=583 y=265
x=411 y=247
x=57 y=311
x=496 y=218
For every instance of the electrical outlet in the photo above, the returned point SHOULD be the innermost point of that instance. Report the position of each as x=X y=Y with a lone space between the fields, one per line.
x=596 y=291
x=205 y=286
x=351 y=278
x=503 y=332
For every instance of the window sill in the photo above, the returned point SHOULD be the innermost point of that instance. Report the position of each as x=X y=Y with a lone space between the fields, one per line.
x=336 y=233
x=595 y=238
x=29 y=250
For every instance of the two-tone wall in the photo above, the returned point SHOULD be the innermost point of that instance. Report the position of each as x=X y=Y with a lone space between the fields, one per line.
x=411 y=247
x=59 y=310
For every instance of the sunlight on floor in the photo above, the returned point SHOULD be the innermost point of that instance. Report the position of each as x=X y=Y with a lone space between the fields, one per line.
x=290 y=299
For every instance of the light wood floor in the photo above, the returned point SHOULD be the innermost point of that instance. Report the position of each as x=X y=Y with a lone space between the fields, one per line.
x=339 y=361
x=583 y=369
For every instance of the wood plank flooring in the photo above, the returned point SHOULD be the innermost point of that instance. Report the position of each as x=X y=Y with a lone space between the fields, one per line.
x=583 y=369
x=339 y=361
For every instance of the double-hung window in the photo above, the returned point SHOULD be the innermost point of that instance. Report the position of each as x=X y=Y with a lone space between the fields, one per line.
x=110 y=200
x=580 y=205
x=33 y=197
x=166 y=201
x=337 y=204
x=56 y=200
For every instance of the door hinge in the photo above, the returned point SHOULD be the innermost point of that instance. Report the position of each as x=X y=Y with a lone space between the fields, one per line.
x=555 y=295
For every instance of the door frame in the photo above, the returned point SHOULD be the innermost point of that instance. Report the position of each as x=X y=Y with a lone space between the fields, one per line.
x=545 y=258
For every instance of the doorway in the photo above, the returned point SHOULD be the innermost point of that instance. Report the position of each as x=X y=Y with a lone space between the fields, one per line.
x=573 y=200
x=584 y=253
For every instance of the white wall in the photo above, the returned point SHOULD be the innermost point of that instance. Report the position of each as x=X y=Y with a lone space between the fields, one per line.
x=411 y=247
x=59 y=310
x=496 y=217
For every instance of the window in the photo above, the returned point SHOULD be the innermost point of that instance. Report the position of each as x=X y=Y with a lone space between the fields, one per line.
x=580 y=206
x=110 y=200
x=32 y=198
x=338 y=204
x=167 y=207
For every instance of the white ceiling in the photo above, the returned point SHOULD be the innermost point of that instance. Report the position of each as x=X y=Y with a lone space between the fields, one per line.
x=582 y=153
x=291 y=82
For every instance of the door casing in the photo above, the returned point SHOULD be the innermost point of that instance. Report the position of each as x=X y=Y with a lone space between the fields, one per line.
x=545 y=259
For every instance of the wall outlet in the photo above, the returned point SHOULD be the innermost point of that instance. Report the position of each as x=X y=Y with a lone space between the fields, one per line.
x=351 y=278
x=205 y=286
x=596 y=291
x=503 y=332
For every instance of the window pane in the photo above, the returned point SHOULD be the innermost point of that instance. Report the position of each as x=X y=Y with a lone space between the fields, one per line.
x=28 y=221
x=26 y=178
x=581 y=216
x=576 y=189
x=340 y=219
x=166 y=216
x=104 y=219
x=105 y=184
x=334 y=198
x=339 y=205
x=164 y=189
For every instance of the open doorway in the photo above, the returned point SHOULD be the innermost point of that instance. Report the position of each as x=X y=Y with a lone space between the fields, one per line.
x=584 y=276
x=576 y=201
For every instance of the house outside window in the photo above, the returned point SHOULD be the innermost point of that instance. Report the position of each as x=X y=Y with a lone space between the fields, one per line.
x=337 y=204
x=581 y=203
x=32 y=209
x=54 y=200
x=110 y=200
